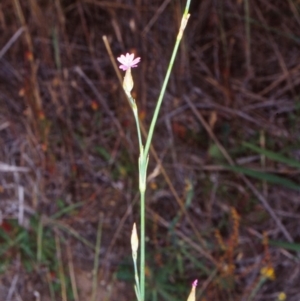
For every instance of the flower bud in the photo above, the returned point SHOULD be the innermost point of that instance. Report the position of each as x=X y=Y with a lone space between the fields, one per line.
x=134 y=240
x=128 y=82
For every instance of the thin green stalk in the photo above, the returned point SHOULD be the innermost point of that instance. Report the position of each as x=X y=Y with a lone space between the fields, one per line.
x=96 y=258
x=39 y=241
x=61 y=272
x=51 y=288
x=137 y=280
x=134 y=248
x=142 y=250
x=166 y=80
x=143 y=160
x=258 y=286
x=136 y=116
x=72 y=273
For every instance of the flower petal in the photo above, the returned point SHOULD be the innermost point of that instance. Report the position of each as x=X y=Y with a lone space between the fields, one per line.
x=128 y=61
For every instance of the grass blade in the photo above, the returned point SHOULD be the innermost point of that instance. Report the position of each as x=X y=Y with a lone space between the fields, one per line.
x=285 y=245
x=265 y=177
x=272 y=155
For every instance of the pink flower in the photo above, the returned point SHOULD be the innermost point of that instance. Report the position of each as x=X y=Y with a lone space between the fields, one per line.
x=192 y=295
x=127 y=61
x=195 y=283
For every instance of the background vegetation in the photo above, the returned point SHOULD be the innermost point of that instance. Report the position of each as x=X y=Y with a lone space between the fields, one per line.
x=223 y=204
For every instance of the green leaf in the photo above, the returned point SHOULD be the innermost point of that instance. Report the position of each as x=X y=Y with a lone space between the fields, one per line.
x=272 y=155
x=285 y=245
x=265 y=177
x=66 y=210
x=103 y=152
x=214 y=152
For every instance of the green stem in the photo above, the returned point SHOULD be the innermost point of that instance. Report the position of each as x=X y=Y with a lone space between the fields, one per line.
x=166 y=80
x=143 y=159
x=254 y=292
x=142 y=250
x=137 y=281
x=96 y=259
x=136 y=117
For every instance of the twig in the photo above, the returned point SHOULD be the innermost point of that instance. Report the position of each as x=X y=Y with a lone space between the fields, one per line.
x=103 y=102
x=11 y=168
x=155 y=17
x=11 y=41
x=21 y=205
x=12 y=288
x=33 y=67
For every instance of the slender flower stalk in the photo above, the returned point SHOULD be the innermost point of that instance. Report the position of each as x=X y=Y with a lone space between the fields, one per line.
x=183 y=24
x=266 y=273
x=127 y=62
